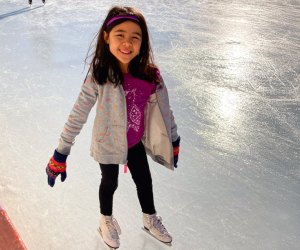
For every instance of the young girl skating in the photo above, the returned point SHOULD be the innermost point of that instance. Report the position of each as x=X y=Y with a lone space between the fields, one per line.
x=133 y=117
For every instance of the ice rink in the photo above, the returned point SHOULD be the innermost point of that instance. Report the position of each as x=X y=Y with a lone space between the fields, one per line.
x=232 y=68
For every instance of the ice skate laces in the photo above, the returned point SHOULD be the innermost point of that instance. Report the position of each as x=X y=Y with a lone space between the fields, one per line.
x=157 y=224
x=113 y=228
x=117 y=227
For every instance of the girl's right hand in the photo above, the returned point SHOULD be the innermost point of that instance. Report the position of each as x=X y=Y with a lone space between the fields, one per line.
x=56 y=166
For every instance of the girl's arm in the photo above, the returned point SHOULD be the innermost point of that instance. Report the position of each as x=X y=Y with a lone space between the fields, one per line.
x=79 y=114
x=164 y=98
x=174 y=133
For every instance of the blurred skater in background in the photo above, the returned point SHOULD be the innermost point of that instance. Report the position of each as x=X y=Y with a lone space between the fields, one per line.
x=30 y=2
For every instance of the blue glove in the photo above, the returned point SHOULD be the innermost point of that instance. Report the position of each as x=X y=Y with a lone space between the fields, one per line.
x=176 y=146
x=56 y=166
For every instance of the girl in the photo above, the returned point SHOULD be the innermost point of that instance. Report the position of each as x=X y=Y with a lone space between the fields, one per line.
x=133 y=117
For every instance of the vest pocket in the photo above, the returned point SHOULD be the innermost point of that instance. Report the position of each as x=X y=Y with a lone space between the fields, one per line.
x=102 y=133
x=111 y=140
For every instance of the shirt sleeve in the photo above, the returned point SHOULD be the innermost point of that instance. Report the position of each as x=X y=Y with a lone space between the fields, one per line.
x=78 y=115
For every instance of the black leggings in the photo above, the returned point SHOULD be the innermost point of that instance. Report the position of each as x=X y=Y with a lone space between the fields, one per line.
x=140 y=172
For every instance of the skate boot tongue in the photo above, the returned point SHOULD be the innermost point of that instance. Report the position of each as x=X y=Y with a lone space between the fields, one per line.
x=110 y=230
x=113 y=227
x=117 y=227
x=153 y=224
x=157 y=223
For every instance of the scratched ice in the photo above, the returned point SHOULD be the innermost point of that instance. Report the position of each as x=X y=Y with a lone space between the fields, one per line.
x=232 y=69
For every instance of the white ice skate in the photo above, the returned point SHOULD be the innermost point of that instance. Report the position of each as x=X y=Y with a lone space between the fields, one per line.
x=153 y=225
x=109 y=230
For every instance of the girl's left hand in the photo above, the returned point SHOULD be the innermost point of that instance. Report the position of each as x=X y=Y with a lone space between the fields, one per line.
x=176 y=146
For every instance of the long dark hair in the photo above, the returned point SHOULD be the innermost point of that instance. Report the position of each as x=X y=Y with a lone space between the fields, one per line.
x=105 y=67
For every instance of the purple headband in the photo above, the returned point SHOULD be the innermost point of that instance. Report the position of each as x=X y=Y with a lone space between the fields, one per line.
x=129 y=16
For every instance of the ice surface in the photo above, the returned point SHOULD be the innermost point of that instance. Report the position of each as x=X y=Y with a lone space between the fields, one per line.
x=232 y=69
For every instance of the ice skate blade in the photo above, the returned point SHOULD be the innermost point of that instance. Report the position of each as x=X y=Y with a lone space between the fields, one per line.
x=109 y=247
x=148 y=232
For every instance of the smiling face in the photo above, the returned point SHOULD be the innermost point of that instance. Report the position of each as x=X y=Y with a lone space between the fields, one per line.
x=124 y=42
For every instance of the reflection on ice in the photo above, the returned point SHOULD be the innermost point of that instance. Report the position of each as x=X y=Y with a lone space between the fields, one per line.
x=229 y=101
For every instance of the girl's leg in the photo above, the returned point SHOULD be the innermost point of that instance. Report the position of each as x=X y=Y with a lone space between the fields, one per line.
x=108 y=185
x=140 y=172
x=139 y=169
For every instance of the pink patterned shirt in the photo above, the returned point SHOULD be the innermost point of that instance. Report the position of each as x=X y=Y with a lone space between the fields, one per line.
x=137 y=93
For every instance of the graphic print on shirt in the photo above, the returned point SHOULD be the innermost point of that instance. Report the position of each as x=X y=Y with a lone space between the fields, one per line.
x=134 y=114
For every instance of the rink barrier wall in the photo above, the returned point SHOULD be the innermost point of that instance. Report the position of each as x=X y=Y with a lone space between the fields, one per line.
x=9 y=237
